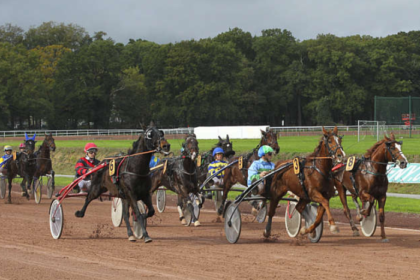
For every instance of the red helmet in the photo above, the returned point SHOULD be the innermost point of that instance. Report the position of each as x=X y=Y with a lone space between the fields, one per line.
x=22 y=145
x=90 y=146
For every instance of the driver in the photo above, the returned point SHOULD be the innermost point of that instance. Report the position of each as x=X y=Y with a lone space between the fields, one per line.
x=85 y=164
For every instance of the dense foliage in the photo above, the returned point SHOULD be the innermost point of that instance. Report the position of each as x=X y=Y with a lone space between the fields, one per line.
x=57 y=76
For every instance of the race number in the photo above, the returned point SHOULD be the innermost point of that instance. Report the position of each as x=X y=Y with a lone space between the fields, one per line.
x=112 y=167
x=241 y=162
x=14 y=155
x=296 y=166
x=198 y=162
x=350 y=163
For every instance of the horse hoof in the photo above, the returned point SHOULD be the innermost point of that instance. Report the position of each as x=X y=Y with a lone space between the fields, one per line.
x=148 y=240
x=303 y=231
x=132 y=239
x=356 y=233
x=385 y=240
x=79 y=214
x=183 y=222
x=266 y=233
x=23 y=194
x=359 y=217
x=334 y=229
x=197 y=223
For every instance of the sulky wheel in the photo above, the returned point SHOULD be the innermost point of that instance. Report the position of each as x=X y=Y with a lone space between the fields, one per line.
x=137 y=230
x=2 y=188
x=38 y=191
x=292 y=219
x=262 y=214
x=50 y=189
x=369 y=223
x=161 y=200
x=56 y=219
x=309 y=213
x=217 y=196
x=116 y=211
x=233 y=223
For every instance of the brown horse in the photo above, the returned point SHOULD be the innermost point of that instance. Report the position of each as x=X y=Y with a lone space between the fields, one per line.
x=43 y=159
x=234 y=175
x=370 y=180
x=314 y=183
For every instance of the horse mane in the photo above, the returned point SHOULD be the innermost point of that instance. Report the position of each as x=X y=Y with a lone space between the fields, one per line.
x=370 y=151
x=136 y=145
x=317 y=149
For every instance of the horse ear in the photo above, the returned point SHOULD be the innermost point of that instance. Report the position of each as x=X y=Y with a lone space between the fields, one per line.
x=392 y=136
x=195 y=136
x=386 y=138
x=26 y=136
x=220 y=139
x=324 y=131
x=33 y=137
x=227 y=138
x=335 y=131
x=263 y=132
x=143 y=126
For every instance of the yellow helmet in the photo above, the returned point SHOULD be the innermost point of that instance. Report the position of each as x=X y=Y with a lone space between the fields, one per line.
x=8 y=148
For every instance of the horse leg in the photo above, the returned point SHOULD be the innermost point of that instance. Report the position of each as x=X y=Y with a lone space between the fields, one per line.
x=52 y=180
x=23 y=187
x=317 y=197
x=149 y=204
x=356 y=203
x=381 y=204
x=126 y=217
x=93 y=193
x=318 y=220
x=181 y=215
x=367 y=203
x=343 y=197
x=9 y=197
x=271 y=211
x=140 y=218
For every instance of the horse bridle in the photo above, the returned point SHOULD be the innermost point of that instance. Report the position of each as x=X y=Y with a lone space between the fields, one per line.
x=331 y=151
x=187 y=150
x=388 y=149
x=272 y=141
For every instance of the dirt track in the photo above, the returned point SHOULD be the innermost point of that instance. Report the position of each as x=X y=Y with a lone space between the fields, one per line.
x=91 y=248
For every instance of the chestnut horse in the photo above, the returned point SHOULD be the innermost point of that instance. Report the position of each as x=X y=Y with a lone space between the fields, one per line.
x=370 y=180
x=180 y=175
x=234 y=175
x=133 y=179
x=316 y=185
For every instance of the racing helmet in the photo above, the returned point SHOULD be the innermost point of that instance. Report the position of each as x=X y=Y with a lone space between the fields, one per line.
x=218 y=150
x=8 y=148
x=90 y=146
x=264 y=150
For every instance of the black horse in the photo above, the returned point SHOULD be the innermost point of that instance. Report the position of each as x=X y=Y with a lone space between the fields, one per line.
x=132 y=181
x=43 y=160
x=24 y=165
x=180 y=175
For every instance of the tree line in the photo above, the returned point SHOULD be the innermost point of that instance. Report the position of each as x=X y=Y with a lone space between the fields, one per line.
x=57 y=76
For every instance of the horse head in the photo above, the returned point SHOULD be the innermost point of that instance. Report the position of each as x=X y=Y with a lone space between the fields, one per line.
x=332 y=142
x=164 y=144
x=49 y=141
x=190 y=146
x=30 y=143
x=270 y=138
x=152 y=137
x=226 y=145
x=393 y=151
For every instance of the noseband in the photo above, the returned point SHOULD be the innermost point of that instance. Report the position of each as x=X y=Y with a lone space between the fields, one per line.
x=331 y=151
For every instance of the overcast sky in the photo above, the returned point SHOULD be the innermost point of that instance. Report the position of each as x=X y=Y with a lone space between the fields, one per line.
x=164 y=21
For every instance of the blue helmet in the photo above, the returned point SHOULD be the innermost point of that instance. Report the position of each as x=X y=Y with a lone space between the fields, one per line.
x=264 y=150
x=218 y=150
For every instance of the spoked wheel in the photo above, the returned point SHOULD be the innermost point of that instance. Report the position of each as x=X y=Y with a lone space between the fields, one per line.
x=188 y=211
x=233 y=223
x=217 y=196
x=38 y=191
x=56 y=219
x=262 y=214
x=369 y=223
x=116 y=211
x=50 y=189
x=138 y=232
x=309 y=213
x=161 y=200
x=2 y=188
x=292 y=219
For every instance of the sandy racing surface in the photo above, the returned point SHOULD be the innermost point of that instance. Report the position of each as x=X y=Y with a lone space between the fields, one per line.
x=91 y=248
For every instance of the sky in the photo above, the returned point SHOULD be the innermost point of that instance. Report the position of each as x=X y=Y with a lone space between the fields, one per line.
x=164 y=21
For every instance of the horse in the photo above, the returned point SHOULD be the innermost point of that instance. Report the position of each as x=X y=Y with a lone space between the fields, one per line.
x=132 y=181
x=234 y=175
x=314 y=182
x=43 y=160
x=25 y=166
x=368 y=180
x=207 y=157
